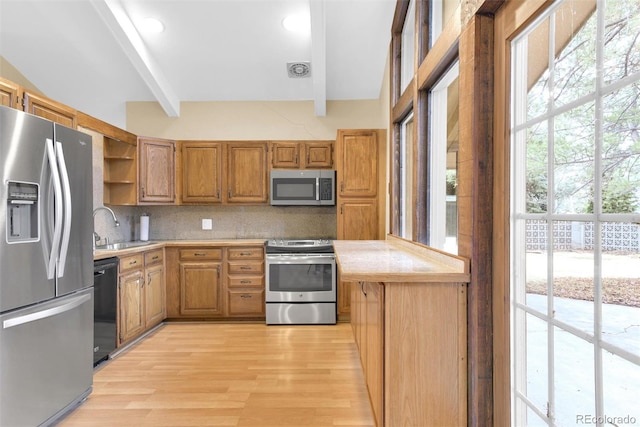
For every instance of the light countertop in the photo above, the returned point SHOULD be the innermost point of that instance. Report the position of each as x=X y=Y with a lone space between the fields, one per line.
x=158 y=244
x=397 y=260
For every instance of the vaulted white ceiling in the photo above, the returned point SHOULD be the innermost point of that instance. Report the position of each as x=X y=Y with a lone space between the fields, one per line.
x=84 y=54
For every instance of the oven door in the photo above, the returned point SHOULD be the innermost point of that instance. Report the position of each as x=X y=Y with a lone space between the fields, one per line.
x=301 y=278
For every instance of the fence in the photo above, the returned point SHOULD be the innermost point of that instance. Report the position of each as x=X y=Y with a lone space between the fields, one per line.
x=575 y=235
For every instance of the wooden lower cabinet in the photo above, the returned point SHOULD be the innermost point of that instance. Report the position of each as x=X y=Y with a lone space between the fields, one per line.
x=412 y=343
x=155 y=308
x=131 y=317
x=218 y=283
x=245 y=282
x=141 y=294
x=201 y=282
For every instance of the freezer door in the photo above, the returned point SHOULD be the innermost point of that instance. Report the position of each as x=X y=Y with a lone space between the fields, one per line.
x=46 y=359
x=74 y=156
x=23 y=262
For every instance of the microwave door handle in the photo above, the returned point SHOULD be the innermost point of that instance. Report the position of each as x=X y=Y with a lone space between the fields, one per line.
x=318 y=189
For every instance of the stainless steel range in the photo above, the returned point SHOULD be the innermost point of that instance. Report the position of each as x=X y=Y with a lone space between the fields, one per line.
x=300 y=282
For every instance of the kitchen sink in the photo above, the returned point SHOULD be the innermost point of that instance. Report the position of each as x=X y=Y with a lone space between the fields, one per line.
x=121 y=245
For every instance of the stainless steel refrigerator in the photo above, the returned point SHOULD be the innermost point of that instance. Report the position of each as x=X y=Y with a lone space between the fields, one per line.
x=46 y=269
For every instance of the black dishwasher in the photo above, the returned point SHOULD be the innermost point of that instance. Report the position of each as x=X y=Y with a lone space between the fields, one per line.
x=105 y=282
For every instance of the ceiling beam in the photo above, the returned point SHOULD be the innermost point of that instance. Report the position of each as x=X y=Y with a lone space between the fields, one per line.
x=117 y=20
x=319 y=55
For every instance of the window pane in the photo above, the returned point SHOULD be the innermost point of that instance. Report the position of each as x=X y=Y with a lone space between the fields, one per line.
x=621 y=390
x=574 y=378
x=574 y=147
x=407 y=51
x=622 y=46
x=621 y=285
x=621 y=151
x=574 y=63
x=406 y=179
x=442 y=11
x=443 y=163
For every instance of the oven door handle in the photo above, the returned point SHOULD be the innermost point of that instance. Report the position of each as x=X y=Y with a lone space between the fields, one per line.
x=305 y=259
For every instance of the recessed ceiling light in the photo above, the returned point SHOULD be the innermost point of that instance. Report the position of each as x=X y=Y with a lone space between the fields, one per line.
x=151 y=25
x=297 y=23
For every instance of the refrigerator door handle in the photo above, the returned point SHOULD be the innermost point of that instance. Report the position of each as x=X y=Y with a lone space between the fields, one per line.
x=39 y=315
x=57 y=228
x=66 y=194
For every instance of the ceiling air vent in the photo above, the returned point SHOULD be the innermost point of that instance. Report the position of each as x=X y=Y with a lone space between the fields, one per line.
x=299 y=69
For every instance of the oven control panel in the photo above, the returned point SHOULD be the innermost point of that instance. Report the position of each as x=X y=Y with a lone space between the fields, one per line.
x=299 y=246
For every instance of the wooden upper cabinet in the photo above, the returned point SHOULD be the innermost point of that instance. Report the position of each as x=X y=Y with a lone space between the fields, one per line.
x=9 y=94
x=357 y=163
x=247 y=177
x=156 y=171
x=41 y=106
x=201 y=172
x=302 y=154
x=318 y=155
x=285 y=155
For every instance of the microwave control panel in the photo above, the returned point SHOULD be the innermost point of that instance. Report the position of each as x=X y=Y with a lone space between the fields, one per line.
x=326 y=189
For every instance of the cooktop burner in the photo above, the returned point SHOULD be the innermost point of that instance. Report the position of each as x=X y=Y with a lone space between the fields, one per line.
x=299 y=246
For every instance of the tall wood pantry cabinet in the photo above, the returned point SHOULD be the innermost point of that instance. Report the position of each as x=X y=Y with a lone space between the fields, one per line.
x=360 y=180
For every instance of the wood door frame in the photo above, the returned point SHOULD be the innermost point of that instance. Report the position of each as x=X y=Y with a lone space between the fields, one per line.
x=509 y=22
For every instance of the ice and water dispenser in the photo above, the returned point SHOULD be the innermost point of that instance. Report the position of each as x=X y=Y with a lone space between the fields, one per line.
x=22 y=212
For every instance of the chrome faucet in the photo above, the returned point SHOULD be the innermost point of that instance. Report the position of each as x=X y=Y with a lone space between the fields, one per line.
x=96 y=236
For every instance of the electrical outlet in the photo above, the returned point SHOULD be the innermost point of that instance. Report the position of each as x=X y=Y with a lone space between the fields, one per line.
x=207 y=224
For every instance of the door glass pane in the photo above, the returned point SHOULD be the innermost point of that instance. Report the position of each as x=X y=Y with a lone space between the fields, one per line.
x=537 y=163
x=621 y=380
x=574 y=73
x=621 y=151
x=538 y=72
x=621 y=285
x=573 y=378
x=573 y=267
x=537 y=362
x=621 y=44
x=574 y=146
x=536 y=265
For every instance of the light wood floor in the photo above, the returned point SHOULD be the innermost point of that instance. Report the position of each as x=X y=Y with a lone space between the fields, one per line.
x=203 y=374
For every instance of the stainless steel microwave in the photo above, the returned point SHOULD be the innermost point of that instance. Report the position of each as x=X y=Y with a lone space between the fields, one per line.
x=303 y=187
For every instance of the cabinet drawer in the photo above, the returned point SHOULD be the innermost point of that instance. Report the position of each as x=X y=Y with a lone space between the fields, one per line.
x=245 y=267
x=153 y=257
x=211 y=253
x=246 y=282
x=245 y=253
x=131 y=262
x=245 y=303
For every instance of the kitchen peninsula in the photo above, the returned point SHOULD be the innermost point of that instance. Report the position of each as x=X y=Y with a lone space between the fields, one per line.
x=408 y=312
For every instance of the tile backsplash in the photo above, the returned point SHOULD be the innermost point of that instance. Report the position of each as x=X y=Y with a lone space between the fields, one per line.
x=228 y=222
